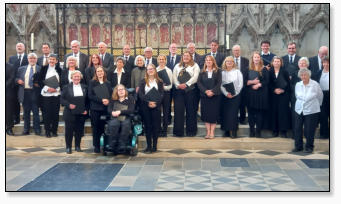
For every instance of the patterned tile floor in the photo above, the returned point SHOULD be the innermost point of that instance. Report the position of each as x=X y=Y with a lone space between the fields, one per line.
x=175 y=170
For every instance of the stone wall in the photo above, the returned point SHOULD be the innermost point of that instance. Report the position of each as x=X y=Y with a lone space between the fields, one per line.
x=158 y=25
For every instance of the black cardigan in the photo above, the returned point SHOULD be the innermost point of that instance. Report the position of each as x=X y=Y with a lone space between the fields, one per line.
x=96 y=102
x=142 y=94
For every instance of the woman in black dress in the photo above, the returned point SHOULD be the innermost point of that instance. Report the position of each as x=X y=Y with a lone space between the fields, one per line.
x=279 y=85
x=231 y=101
x=119 y=75
x=151 y=108
x=98 y=104
x=95 y=62
x=120 y=107
x=257 y=90
x=209 y=82
x=325 y=108
x=74 y=113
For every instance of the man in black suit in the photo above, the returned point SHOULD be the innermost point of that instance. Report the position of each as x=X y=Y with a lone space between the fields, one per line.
x=82 y=59
x=44 y=60
x=173 y=58
x=242 y=64
x=29 y=90
x=148 y=55
x=315 y=63
x=219 y=57
x=11 y=95
x=266 y=54
x=196 y=57
x=129 y=60
x=290 y=61
x=106 y=58
x=18 y=60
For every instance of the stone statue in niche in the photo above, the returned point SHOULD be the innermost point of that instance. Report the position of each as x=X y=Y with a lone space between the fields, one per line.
x=106 y=34
x=73 y=33
x=141 y=36
x=95 y=34
x=199 y=34
x=153 y=39
x=164 y=35
x=118 y=35
x=130 y=35
x=211 y=32
x=188 y=34
x=84 y=35
x=176 y=33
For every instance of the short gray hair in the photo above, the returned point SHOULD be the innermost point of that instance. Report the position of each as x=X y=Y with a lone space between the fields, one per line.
x=139 y=56
x=68 y=59
x=305 y=59
x=76 y=72
x=32 y=54
x=191 y=43
x=75 y=41
x=148 y=48
x=304 y=71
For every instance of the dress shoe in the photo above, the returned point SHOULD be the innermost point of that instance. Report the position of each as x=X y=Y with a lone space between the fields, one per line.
x=78 y=149
x=9 y=131
x=284 y=135
x=16 y=122
x=234 y=134
x=68 y=151
x=178 y=135
x=97 y=150
x=154 y=149
x=297 y=149
x=190 y=134
x=227 y=134
x=275 y=134
x=243 y=122
x=147 y=150
x=54 y=134
x=308 y=150
x=38 y=133
x=25 y=133
x=48 y=134
x=163 y=134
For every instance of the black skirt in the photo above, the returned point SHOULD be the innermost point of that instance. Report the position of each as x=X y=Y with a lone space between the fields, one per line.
x=230 y=113
x=209 y=107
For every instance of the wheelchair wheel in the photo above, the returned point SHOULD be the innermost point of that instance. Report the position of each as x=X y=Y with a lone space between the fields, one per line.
x=134 y=150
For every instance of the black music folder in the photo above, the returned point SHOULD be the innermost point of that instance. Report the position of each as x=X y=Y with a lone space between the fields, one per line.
x=281 y=83
x=164 y=76
x=79 y=101
x=101 y=91
x=230 y=88
x=52 y=82
x=183 y=78
x=253 y=74
x=153 y=95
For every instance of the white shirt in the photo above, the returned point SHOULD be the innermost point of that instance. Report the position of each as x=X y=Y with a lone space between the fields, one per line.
x=192 y=70
x=27 y=76
x=324 y=81
x=170 y=76
x=51 y=71
x=77 y=90
x=119 y=75
x=293 y=57
x=152 y=83
x=308 y=97
x=262 y=53
x=234 y=76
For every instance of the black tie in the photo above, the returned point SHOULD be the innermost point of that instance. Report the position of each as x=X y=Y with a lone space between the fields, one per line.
x=126 y=58
x=237 y=62
x=291 y=61
x=19 y=60
x=102 y=58
x=147 y=61
x=30 y=80
x=172 y=62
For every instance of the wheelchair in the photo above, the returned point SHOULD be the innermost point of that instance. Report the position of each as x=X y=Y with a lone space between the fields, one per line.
x=136 y=130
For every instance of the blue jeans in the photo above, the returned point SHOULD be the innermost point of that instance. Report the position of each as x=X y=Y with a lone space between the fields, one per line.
x=30 y=103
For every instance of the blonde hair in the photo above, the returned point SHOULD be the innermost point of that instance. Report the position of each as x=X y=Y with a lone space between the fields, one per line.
x=158 y=58
x=215 y=66
x=223 y=67
x=115 y=96
x=191 y=61
x=95 y=75
x=146 y=76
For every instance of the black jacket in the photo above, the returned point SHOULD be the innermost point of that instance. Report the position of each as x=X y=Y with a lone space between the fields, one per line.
x=66 y=99
x=96 y=102
x=203 y=77
x=42 y=75
x=112 y=77
x=142 y=94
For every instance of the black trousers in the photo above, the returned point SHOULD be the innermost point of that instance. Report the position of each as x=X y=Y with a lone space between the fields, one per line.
x=166 y=107
x=325 y=115
x=152 y=124
x=51 y=107
x=97 y=126
x=118 y=133
x=185 y=101
x=242 y=106
x=10 y=108
x=74 y=126
x=309 y=122
x=255 y=118
x=196 y=99
x=16 y=106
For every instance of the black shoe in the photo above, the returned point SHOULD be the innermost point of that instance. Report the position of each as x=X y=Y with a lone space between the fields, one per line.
x=41 y=122
x=308 y=150
x=9 y=131
x=178 y=135
x=16 y=122
x=297 y=149
x=147 y=150
x=48 y=134
x=243 y=122
x=252 y=134
x=54 y=134
x=38 y=133
x=163 y=134
x=227 y=134
x=275 y=134
x=258 y=134
x=190 y=134
x=154 y=149
x=78 y=149
x=284 y=135
x=68 y=151
x=25 y=133
x=97 y=150
x=234 y=134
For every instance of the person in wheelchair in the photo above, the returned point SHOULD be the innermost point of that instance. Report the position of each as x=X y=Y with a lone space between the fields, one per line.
x=120 y=107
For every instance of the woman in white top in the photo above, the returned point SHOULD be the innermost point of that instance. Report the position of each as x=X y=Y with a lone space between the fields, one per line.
x=231 y=102
x=50 y=96
x=150 y=105
x=166 y=101
x=309 y=98
x=119 y=75
x=185 y=76
x=325 y=108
